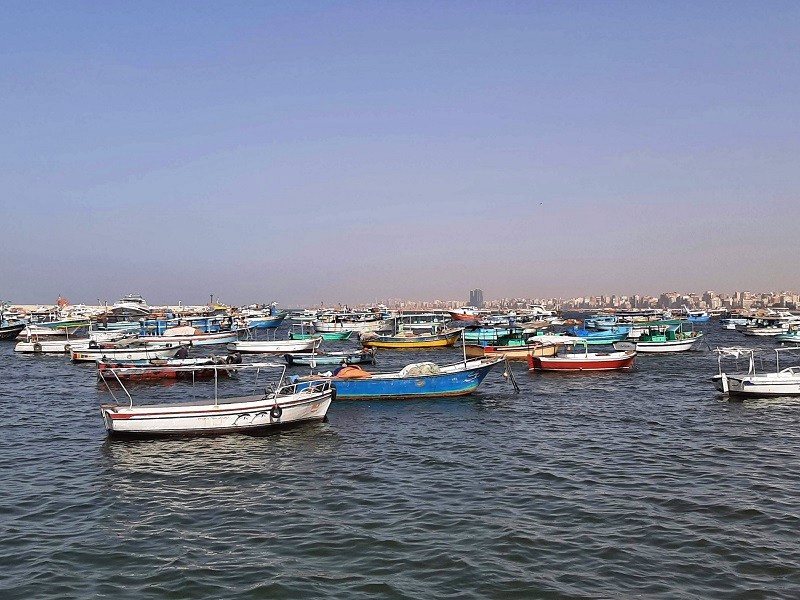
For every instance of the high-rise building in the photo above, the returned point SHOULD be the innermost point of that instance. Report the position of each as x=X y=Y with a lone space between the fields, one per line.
x=476 y=298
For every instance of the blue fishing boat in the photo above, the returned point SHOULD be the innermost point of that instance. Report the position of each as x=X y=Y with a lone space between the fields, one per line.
x=484 y=335
x=696 y=316
x=265 y=319
x=600 y=337
x=602 y=322
x=419 y=380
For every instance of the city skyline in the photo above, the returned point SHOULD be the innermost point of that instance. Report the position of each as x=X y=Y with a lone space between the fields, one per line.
x=709 y=299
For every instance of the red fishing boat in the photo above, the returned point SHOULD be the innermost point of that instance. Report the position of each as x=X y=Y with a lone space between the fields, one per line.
x=468 y=313
x=582 y=360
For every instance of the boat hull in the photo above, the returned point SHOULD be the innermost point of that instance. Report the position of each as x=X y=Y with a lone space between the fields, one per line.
x=117 y=354
x=412 y=342
x=700 y=319
x=613 y=361
x=791 y=338
x=511 y=352
x=202 y=339
x=339 y=335
x=459 y=316
x=46 y=346
x=275 y=347
x=600 y=338
x=332 y=359
x=380 y=325
x=270 y=322
x=665 y=347
x=9 y=332
x=757 y=385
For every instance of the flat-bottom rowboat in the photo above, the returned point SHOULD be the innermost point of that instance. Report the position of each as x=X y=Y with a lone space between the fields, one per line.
x=366 y=355
x=335 y=335
x=512 y=351
x=408 y=340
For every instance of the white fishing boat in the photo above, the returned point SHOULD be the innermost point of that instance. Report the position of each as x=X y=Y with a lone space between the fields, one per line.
x=781 y=382
x=353 y=321
x=768 y=324
x=730 y=321
x=53 y=329
x=51 y=346
x=132 y=305
x=126 y=350
x=660 y=339
x=275 y=346
x=282 y=405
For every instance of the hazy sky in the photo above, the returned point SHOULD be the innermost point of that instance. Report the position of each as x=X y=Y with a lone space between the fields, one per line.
x=348 y=151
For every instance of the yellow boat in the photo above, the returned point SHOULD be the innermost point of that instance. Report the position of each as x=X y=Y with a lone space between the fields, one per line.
x=514 y=351
x=446 y=337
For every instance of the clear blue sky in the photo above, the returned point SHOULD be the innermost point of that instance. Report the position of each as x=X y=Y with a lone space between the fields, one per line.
x=347 y=151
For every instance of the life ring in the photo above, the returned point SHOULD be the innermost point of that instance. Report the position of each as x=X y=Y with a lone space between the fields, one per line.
x=275 y=412
x=37 y=347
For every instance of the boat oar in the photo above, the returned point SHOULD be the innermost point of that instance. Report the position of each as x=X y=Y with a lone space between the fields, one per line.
x=509 y=374
x=707 y=344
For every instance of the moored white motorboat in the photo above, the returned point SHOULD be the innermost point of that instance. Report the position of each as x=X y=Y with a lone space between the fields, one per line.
x=51 y=330
x=286 y=404
x=730 y=321
x=274 y=346
x=781 y=382
x=356 y=322
x=696 y=315
x=132 y=305
x=769 y=324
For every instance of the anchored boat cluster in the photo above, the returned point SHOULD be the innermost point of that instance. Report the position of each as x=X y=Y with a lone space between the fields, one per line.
x=131 y=341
